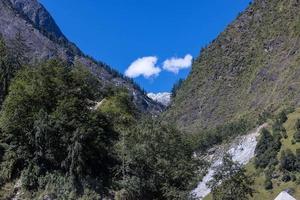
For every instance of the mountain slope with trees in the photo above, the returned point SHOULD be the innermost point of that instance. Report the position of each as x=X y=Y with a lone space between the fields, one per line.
x=252 y=67
x=38 y=30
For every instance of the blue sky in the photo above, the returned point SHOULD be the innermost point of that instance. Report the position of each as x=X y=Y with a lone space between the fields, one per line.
x=118 y=32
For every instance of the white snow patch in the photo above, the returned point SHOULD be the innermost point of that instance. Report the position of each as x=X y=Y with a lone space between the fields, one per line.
x=242 y=151
x=162 y=97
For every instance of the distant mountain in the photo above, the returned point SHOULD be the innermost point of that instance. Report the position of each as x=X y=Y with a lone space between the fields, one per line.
x=162 y=97
x=46 y=40
x=253 y=66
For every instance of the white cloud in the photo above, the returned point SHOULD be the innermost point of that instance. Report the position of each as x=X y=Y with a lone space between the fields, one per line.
x=175 y=64
x=143 y=67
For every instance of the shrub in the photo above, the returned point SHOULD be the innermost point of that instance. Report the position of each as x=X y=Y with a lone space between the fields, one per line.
x=297 y=125
x=219 y=134
x=293 y=177
x=287 y=160
x=268 y=184
x=30 y=177
x=286 y=177
x=298 y=181
x=282 y=117
x=266 y=149
x=297 y=136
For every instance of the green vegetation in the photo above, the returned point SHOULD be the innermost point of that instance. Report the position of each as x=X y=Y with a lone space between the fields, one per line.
x=11 y=60
x=63 y=135
x=176 y=87
x=249 y=68
x=267 y=149
x=47 y=127
x=207 y=139
x=158 y=163
x=282 y=175
x=297 y=133
x=236 y=184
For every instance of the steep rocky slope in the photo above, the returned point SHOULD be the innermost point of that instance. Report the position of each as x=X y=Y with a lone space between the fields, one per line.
x=45 y=40
x=254 y=65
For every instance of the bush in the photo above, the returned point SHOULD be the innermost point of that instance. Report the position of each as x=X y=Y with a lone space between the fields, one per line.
x=287 y=160
x=268 y=184
x=263 y=117
x=298 y=181
x=282 y=117
x=266 y=150
x=286 y=177
x=293 y=177
x=30 y=177
x=297 y=125
x=297 y=136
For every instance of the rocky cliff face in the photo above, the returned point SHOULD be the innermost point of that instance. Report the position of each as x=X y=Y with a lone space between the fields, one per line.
x=45 y=40
x=254 y=65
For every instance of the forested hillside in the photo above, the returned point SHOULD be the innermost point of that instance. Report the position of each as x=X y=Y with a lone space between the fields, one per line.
x=29 y=20
x=252 y=67
x=74 y=128
x=64 y=136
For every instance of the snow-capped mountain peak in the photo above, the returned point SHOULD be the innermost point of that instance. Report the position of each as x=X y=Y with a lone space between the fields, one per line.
x=161 y=97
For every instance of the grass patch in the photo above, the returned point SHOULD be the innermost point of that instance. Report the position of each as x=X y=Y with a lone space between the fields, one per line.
x=278 y=184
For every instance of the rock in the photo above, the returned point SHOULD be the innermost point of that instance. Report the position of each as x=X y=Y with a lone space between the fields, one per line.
x=242 y=151
x=45 y=40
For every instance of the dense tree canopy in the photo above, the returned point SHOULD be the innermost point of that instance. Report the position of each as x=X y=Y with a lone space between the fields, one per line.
x=48 y=124
x=160 y=163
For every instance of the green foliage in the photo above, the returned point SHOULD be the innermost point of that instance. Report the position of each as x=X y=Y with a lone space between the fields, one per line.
x=30 y=177
x=297 y=133
x=268 y=184
x=160 y=163
x=263 y=117
x=118 y=107
x=286 y=177
x=48 y=125
x=11 y=60
x=266 y=149
x=282 y=118
x=176 y=87
x=287 y=160
x=233 y=76
x=220 y=134
x=236 y=184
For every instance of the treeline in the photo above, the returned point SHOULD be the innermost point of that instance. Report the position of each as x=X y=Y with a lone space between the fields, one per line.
x=63 y=135
x=212 y=137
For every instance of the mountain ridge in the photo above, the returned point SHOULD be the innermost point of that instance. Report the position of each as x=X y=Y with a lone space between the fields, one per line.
x=45 y=40
x=249 y=68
